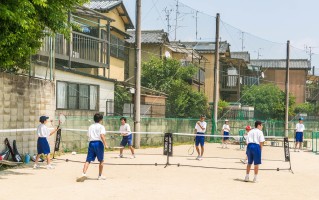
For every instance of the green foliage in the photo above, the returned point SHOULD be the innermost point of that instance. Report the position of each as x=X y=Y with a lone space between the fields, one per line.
x=268 y=101
x=22 y=25
x=221 y=106
x=305 y=108
x=170 y=77
x=121 y=96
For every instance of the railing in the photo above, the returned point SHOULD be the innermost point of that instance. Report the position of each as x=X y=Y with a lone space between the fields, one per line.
x=85 y=49
x=200 y=76
x=312 y=94
x=231 y=81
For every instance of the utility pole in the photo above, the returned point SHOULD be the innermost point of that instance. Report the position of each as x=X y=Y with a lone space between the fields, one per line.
x=167 y=14
x=216 y=72
x=242 y=41
x=137 y=96
x=196 y=22
x=177 y=13
x=287 y=89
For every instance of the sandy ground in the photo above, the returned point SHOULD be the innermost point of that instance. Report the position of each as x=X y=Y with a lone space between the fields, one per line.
x=156 y=182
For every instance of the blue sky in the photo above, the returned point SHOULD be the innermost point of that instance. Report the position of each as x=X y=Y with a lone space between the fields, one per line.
x=263 y=22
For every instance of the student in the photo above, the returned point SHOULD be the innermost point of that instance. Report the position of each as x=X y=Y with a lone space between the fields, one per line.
x=127 y=139
x=96 y=135
x=42 y=143
x=255 y=141
x=300 y=127
x=200 y=128
x=225 y=133
x=248 y=128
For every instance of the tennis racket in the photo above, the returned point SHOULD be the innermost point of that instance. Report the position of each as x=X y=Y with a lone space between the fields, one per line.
x=62 y=119
x=191 y=148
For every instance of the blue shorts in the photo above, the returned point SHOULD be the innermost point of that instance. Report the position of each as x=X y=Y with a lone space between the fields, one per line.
x=226 y=134
x=43 y=146
x=299 y=137
x=200 y=140
x=254 y=154
x=96 y=149
x=127 y=140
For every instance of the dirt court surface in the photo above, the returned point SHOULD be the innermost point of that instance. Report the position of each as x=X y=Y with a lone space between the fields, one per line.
x=156 y=182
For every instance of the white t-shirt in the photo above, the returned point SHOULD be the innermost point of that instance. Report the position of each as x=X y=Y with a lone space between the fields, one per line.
x=255 y=136
x=95 y=131
x=198 y=128
x=300 y=127
x=226 y=128
x=125 y=129
x=43 y=131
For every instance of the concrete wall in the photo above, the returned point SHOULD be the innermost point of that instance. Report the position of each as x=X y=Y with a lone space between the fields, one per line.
x=22 y=101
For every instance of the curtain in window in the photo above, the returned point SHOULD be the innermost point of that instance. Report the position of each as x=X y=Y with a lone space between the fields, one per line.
x=73 y=96
x=62 y=95
x=84 y=97
x=93 y=97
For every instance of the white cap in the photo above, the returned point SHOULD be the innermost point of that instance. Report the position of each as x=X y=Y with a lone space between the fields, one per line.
x=226 y=120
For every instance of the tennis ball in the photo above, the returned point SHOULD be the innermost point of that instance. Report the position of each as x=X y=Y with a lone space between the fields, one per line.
x=277 y=169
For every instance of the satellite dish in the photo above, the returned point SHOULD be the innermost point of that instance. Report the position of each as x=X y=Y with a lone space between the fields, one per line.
x=262 y=75
x=167 y=54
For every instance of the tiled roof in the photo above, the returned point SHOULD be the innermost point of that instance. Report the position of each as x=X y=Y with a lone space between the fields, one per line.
x=281 y=63
x=149 y=36
x=102 y=4
x=107 y=5
x=208 y=47
x=241 y=55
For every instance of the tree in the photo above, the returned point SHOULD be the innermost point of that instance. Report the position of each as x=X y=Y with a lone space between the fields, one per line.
x=170 y=77
x=305 y=108
x=22 y=25
x=121 y=97
x=268 y=101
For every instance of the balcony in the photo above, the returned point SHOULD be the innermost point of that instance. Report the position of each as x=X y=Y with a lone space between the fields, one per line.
x=230 y=82
x=86 y=51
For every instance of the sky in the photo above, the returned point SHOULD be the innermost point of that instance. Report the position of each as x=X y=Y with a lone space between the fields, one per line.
x=260 y=27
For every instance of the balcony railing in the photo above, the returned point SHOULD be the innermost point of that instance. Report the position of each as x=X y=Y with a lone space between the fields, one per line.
x=86 y=49
x=230 y=82
x=312 y=94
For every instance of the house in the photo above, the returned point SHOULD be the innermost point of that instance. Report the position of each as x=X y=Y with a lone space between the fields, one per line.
x=155 y=43
x=275 y=72
x=207 y=50
x=236 y=72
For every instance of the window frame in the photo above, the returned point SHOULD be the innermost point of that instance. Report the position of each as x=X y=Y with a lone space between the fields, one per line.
x=78 y=96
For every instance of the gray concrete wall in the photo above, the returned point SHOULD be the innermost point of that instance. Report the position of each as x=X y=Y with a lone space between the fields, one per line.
x=22 y=101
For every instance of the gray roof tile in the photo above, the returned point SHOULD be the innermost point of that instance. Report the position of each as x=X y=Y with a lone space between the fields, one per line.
x=281 y=63
x=102 y=4
x=241 y=55
x=149 y=36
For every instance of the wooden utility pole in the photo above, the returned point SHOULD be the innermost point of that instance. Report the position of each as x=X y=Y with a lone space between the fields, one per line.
x=216 y=72
x=137 y=96
x=287 y=89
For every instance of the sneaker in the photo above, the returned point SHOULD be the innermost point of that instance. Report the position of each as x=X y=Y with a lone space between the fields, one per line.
x=132 y=156
x=120 y=156
x=101 y=178
x=246 y=178
x=255 y=180
x=200 y=158
x=82 y=178
x=50 y=167
x=35 y=166
x=197 y=158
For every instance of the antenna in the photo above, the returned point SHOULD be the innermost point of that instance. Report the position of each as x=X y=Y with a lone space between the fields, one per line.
x=177 y=13
x=242 y=41
x=167 y=14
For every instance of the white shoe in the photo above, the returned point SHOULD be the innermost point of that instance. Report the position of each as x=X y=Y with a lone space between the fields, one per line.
x=50 y=167
x=101 y=178
x=246 y=178
x=120 y=156
x=35 y=166
x=255 y=180
x=197 y=158
x=200 y=158
x=132 y=156
x=82 y=178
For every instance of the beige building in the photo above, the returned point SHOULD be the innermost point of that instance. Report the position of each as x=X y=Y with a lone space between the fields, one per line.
x=275 y=72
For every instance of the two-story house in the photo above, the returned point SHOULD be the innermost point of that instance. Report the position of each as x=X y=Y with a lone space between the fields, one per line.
x=275 y=72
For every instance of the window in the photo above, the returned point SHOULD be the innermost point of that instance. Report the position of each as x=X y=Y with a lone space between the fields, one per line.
x=75 y=96
x=117 y=47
